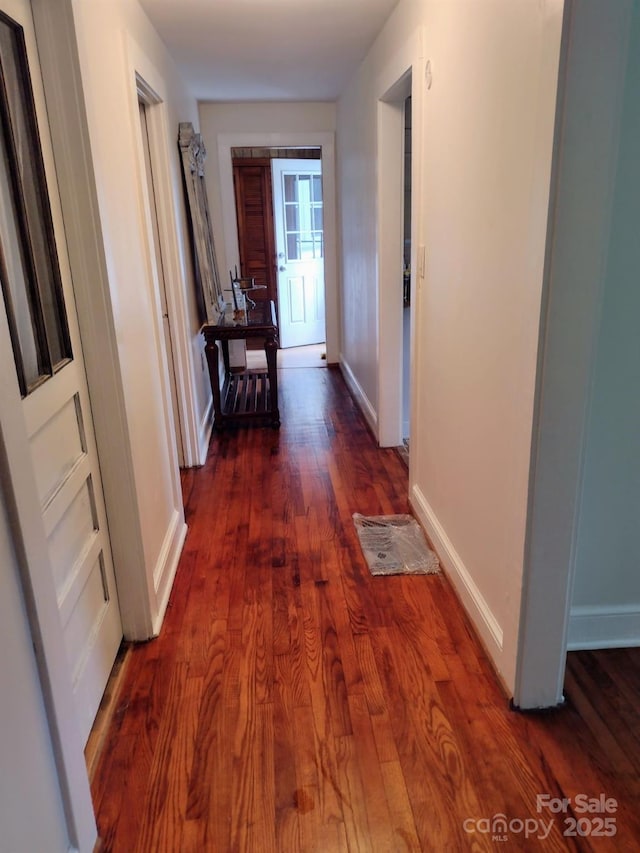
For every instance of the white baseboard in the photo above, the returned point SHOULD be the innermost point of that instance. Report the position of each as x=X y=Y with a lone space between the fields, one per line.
x=472 y=599
x=167 y=565
x=204 y=433
x=604 y=627
x=360 y=397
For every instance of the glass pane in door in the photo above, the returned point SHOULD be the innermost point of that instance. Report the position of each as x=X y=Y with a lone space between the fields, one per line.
x=303 y=216
x=29 y=269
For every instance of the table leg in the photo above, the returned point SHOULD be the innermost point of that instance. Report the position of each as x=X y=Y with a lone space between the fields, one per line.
x=271 y=352
x=211 y=351
x=225 y=357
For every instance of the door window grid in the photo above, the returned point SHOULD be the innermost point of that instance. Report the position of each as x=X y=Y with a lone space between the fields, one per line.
x=303 y=216
x=29 y=270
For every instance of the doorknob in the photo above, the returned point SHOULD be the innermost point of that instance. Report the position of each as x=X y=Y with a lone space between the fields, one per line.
x=282 y=269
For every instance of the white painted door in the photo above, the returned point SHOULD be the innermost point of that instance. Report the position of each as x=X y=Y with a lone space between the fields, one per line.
x=161 y=280
x=49 y=365
x=297 y=201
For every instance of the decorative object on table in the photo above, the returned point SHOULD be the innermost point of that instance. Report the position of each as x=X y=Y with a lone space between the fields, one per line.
x=209 y=295
x=241 y=286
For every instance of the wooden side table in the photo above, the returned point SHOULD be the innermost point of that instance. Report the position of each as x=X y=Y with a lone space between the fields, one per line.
x=248 y=396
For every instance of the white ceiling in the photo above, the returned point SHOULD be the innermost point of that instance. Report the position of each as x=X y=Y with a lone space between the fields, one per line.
x=268 y=50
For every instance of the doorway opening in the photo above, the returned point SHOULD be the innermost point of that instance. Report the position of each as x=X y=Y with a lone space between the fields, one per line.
x=406 y=280
x=279 y=215
x=146 y=101
x=395 y=273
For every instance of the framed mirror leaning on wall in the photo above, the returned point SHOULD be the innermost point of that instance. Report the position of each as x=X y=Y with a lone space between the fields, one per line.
x=209 y=287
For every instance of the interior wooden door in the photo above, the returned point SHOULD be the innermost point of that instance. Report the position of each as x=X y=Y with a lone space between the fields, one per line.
x=254 y=210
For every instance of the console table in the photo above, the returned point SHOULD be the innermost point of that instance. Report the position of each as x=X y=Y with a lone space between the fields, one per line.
x=247 y=396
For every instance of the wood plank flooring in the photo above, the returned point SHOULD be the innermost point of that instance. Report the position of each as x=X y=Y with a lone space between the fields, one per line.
x=295 y=703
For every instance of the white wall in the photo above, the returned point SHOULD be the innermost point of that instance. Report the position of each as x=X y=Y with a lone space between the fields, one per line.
x=356 y=145
x=483 y=144
x=115 y=41
x=606 y=596
x=227 y=125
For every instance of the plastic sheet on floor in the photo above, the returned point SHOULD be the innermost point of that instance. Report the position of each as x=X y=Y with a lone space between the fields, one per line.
x=395 y=545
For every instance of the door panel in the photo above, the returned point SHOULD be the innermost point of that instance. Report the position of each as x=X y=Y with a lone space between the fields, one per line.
x=56 y=407
x=58 y=420
x=297 y=204
x=160 y=280
x=254 y=210
x=295 y=299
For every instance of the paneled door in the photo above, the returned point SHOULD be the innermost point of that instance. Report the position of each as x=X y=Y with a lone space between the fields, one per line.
x=254 y=210
x=39 y=303
x=297 y=205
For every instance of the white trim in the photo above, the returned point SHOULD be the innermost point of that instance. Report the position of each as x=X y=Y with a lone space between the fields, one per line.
x=604 y=627
x=154 y=205
x=362 y=401
x=419 y=192
x=204 y=431
x=146 y=80
x=143 y=76
x=470 y=595
x=167 y=565
x=592 y=68
x=390 y=131
x=326 y=141
x=395 y=83
x=149 y=82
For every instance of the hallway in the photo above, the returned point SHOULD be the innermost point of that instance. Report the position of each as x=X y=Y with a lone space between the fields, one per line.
x=292 y=702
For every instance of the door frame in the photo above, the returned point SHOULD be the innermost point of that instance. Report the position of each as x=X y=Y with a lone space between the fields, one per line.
x=406 y=74
x=142 y=74
x=230 y=255
x=154 y=205
x=146 y=84
x=593 y=59
x=391 y=155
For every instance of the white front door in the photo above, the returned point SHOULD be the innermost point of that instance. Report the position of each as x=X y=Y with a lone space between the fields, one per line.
x=297 y=201
x=49 y=368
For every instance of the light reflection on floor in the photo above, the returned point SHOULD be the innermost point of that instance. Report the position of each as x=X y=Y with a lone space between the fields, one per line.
x=309 y=356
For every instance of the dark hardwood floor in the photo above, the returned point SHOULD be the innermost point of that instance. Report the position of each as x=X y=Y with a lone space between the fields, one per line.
x=295 y=703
